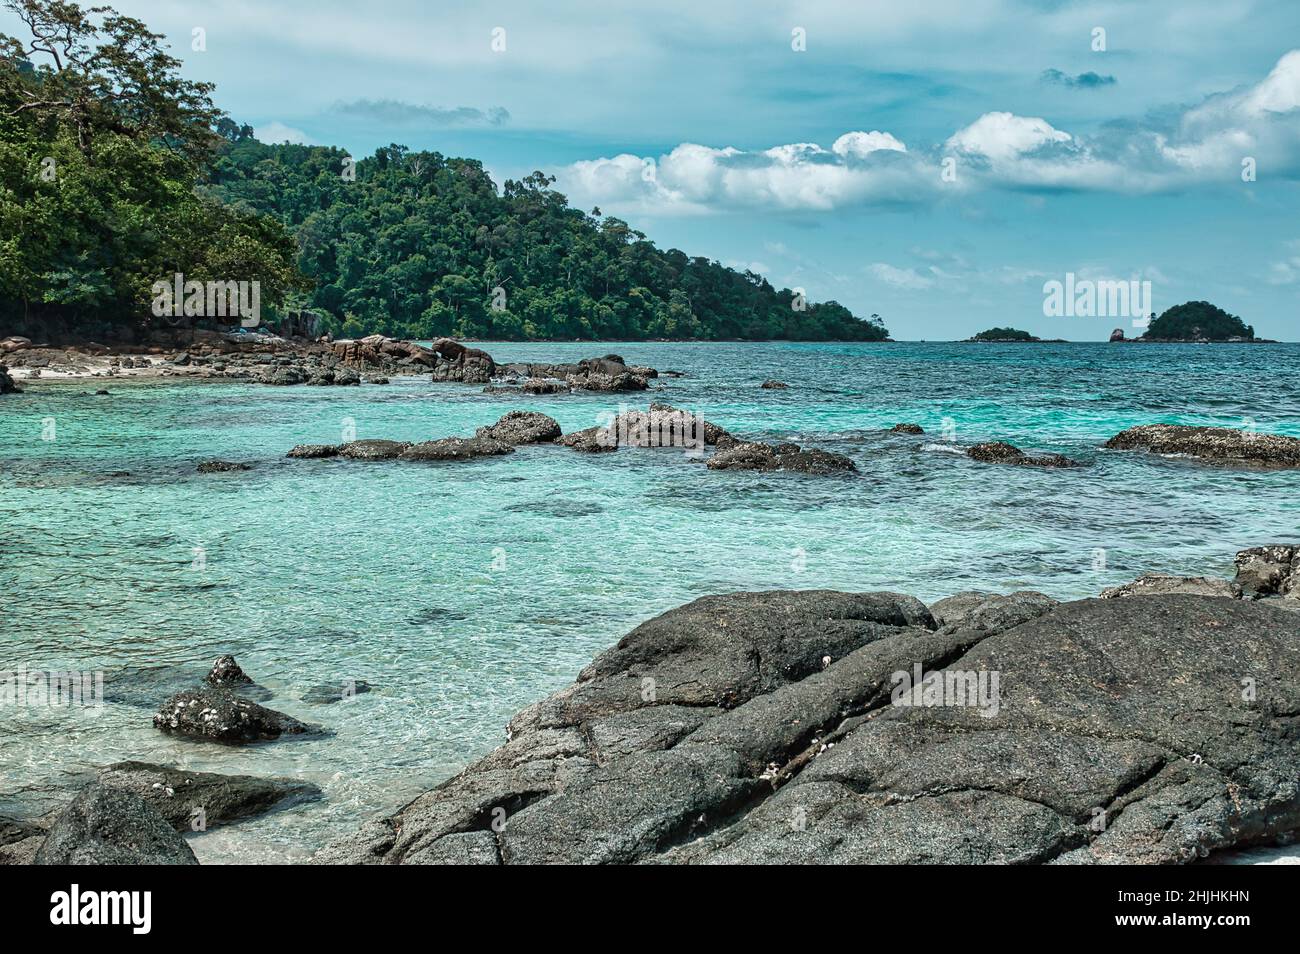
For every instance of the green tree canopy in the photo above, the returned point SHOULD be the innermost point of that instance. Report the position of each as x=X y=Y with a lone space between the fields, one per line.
x=1196 y=320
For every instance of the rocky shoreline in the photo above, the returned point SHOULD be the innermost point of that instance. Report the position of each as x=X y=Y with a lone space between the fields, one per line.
x=1155 y=725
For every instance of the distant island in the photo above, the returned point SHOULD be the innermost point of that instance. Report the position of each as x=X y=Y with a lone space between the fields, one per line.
x=1195 y=322
x=1011 y=336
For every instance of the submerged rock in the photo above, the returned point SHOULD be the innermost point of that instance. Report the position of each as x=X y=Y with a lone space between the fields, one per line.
x=773 y=385
x=110 y=826
x=1000 y=452
x=7 y=383
x=758 y=456
x=782 y=728
x=340 y=691
x=221 y=467
x=457 y=448
x=522 y=427
x=1215 y=444
x=182 y=797
x=907 y=429
x=219 y=715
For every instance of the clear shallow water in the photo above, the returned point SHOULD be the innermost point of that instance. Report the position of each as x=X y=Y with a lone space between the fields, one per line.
x=462 y=592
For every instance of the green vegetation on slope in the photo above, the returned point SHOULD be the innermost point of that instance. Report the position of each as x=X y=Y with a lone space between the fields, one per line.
x=418 y=245
x=116 y=173
x=101 y=143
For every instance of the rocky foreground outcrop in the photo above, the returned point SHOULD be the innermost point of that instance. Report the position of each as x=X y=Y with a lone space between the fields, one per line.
x=816 y=726
x=112 y=826
x=7 y=385
x=1220 y=445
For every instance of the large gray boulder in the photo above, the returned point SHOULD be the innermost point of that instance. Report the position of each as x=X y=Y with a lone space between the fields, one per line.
x=522 y=427
x=111 y=826
x=782 y=728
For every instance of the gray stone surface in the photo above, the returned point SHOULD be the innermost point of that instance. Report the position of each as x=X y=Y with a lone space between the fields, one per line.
x=110 y=826
x=771 y=727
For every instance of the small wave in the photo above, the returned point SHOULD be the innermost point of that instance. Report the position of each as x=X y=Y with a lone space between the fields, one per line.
x=943 y=448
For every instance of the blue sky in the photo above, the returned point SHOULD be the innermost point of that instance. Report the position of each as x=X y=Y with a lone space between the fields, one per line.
x=822 y=167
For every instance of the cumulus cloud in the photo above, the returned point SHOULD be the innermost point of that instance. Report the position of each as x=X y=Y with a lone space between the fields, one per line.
x=692 y=177
x=277 y=132
x=396 y=112
x=1202 y=145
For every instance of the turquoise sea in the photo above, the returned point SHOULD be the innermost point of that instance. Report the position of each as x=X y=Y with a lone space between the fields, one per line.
x=463 y=591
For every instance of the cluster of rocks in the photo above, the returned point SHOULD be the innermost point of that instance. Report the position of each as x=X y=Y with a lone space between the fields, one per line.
x=455 y=362
x=753 y=455
x=135 y=812
x=608 y=373
x=1000 y=452
x=1213 y=444
x=826 y=727
x=661 y=426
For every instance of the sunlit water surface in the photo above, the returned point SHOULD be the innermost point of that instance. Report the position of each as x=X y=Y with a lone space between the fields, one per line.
x=462 y=592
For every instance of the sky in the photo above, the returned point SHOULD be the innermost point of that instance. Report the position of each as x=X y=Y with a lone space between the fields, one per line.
x=936 y=162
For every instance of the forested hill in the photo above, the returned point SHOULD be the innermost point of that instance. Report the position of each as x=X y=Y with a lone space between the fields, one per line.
x=416 y=245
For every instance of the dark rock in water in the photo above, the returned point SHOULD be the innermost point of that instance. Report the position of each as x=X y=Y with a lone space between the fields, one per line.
x=1117 y=335
x=786 y=456
x=373 y=449
x=907 y=429
x=101 y=392
x=179 y=796
x=314 y=450
x=1270 y=570
x=522 y=427
x=226 y=672
x=772 y=385
x=219 y=715
x=1221 y=445
x=456 y=362
x=457 y=448
x=542 y=386
x=1158 y=584
x=340 y=691
x=221 y=467
x=591 y=440
x=782 y=728
x=1000 y=452
x=109 y=826
x=7 y=383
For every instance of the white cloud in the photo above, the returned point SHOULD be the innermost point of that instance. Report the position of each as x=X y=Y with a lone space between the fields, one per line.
x=908 y=278
x=1202 y=145
x=859 y=144
x=278 y=132
x=1005 y=136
